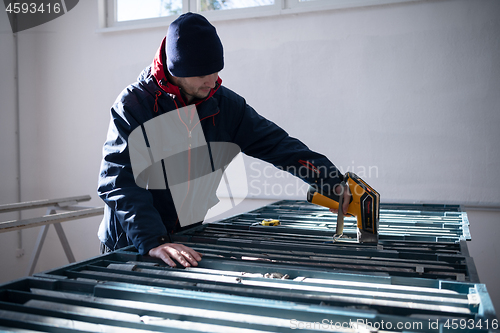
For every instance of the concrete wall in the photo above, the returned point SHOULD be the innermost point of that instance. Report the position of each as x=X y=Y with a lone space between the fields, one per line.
x=8 y=160
x=405 y=95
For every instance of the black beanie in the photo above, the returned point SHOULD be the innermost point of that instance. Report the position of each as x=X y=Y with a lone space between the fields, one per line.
x=193 y=47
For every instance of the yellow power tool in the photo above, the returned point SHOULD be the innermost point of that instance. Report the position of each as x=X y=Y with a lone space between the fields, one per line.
x=364 y=204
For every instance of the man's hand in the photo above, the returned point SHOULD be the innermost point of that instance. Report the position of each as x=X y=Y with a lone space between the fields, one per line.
x=186 y=256
x=347 y=199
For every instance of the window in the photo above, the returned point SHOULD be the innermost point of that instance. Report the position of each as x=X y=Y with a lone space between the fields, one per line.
x=130 y=14
x=129 y=10
x=206 y=5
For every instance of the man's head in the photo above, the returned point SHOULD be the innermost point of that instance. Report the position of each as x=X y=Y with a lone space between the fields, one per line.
x=195 y=87
x=193 y=47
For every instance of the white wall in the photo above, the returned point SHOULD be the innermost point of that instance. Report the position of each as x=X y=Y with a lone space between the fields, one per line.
x=8 y=160
x=409 y=89
x=405 y=95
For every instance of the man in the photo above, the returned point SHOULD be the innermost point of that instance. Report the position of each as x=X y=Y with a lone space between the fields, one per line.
x=184 y=76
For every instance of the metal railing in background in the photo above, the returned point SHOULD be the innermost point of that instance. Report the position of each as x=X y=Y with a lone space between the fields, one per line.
x=71 y=212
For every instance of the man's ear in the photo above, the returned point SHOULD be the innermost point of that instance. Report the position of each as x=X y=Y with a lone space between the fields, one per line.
x=171 y=78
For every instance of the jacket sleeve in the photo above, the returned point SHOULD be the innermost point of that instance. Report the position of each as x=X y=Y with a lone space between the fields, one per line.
x=261 y=138
x=132 y=205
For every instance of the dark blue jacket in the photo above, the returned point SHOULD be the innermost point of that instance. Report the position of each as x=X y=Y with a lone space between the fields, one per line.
x=144 y=218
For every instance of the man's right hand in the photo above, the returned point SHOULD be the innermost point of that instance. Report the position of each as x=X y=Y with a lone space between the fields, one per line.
x=186 y=256
x=346 y=192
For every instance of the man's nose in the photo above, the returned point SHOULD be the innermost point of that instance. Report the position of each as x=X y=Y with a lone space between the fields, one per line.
x=211 y=79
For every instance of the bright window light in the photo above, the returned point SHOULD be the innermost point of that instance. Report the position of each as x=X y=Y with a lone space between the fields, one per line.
x=128 y=10
x=232 y=4
x=129 y=14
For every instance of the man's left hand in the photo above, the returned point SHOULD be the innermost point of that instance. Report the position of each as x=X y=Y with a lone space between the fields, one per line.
x=186 y=256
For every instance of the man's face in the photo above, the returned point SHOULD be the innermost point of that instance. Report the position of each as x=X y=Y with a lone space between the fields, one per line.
x=196 y=87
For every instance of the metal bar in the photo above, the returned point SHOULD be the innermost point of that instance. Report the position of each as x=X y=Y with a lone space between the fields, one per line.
x=202 y=274
x=50 y=219
x=244 y=288
x=38 y=249
x=169 y=311
x=191 y=305
x=297 y=286
x=51 y=323
x=64 y=242
x=42 y=203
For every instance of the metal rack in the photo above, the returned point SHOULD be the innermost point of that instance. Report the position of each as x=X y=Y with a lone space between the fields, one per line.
x=402 y=222
x=415 y=241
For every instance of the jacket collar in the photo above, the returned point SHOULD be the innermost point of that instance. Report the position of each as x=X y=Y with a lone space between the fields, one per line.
x=158 y=71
